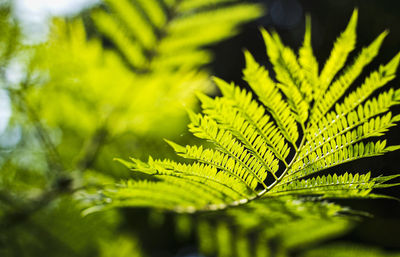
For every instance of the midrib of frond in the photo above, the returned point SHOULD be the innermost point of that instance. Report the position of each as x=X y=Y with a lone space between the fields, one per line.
x=264 y=157
x=320 y=136
x=383 y=102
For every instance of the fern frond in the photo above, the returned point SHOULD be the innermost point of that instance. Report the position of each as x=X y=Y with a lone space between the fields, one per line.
x=206 y=128
x=336 y=134
x=375 y=80
x=342 y=83
x=250 y=157
x=218 y=159
x=308 y=61
x=224 y=113
x=190 y=178
x=154 y=12
x=379 y=181
x=344 y=44
x=267 y=91
x=254 y=115
x=133 y=51
x=360 y=123
x=130 y=15
x=325 y=158
x=198 y=172
x=289 y=74
x=170 y=34
x=343 y=186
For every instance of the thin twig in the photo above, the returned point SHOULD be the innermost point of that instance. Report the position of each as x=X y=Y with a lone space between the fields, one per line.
x=92 y=149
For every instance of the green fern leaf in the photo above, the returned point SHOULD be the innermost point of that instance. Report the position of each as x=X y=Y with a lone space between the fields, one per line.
x=290 y=75
x=170 y=34
x=341 y=49
x=343 y=186
x=269 y=94
x=308 y=61
x=341 y=84
x=277 y=147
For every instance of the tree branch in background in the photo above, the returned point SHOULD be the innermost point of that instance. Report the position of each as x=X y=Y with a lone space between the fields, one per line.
x=92 y=149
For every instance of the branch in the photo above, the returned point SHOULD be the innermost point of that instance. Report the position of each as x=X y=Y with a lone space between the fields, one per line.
x=92 y=149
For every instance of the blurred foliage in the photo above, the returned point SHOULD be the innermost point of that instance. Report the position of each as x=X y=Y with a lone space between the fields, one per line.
x=100 y=98
x=272 y=227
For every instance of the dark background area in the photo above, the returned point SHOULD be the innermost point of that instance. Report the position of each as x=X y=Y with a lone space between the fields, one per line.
x=329 y=19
